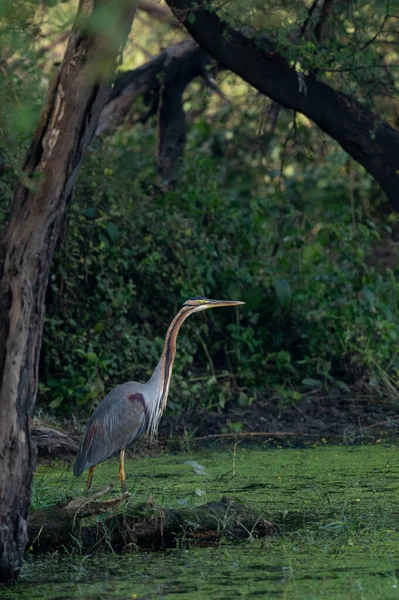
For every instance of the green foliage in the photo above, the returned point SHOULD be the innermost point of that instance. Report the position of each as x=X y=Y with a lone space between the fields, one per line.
x=317 y=312
x=22 y=87
x=280 y=218
x=353 y=46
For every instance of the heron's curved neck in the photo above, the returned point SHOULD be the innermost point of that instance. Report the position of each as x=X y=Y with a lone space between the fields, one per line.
x=169 y=353
x=160 y=380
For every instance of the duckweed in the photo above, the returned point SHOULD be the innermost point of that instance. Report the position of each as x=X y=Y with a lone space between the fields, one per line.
x=336 y=508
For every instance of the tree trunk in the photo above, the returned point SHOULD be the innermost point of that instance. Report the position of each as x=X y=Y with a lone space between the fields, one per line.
x=171 y=132
x=368 y=139
x=67 y=124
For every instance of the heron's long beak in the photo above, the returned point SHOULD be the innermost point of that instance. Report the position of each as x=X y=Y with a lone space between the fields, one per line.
x=217 y=303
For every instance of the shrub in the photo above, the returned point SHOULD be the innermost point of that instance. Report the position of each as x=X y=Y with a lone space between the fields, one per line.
x=316 y=313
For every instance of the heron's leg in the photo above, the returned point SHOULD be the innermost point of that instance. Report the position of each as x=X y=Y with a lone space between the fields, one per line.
x=122 y=474
x=89 y=478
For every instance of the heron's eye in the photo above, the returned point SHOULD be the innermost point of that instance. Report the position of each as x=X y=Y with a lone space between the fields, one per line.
x=202 y=301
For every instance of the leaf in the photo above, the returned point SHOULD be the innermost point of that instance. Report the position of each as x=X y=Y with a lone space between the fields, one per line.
x=197 y=468
x=91 y=357
x=311 y=252
x=99 y=327
x=283 y=290
x=369 y=295
x=55 y=403
x=89 y=213
x=342 y=385
x=236 y=427
x=312 y=382
x=52 y=382
x=253 y=297
x=112 y=231
x=191 y=18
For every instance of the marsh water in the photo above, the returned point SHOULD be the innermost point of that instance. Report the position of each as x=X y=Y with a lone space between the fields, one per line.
x=337 y=508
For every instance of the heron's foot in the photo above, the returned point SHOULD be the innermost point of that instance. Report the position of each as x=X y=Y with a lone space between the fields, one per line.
x=89 y=480
x=124 y=486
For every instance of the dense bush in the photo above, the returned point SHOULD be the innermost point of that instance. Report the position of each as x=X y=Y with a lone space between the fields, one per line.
x=278 y=217
x=317 y=312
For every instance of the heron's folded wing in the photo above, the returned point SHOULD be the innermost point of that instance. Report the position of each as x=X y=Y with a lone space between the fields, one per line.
x=113 y=426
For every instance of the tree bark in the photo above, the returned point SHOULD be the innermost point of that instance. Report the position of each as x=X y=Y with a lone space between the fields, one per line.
x=368 y=139
x=67 y=124
x=150 y=526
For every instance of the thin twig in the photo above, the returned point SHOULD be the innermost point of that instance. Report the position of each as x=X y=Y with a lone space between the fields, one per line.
x=358 y=68
x=272 y=434
x=381 y=423
x=254 y=434
x=370 y=41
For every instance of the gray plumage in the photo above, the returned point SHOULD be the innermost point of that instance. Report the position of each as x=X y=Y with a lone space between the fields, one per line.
x=113 y=426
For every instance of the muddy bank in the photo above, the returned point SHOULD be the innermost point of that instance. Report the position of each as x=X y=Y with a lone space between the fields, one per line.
x=336 y=416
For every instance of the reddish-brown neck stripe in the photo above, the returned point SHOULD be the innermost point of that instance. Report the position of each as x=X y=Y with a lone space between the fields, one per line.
x=169 y=351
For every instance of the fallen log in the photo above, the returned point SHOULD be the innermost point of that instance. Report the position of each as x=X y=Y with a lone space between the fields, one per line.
x=118 y=526
x=52 y=443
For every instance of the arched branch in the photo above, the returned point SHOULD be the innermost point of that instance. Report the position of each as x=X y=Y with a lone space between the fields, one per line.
x=371 y=141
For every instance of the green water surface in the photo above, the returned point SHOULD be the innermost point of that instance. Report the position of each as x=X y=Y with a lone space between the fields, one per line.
x=336 y=506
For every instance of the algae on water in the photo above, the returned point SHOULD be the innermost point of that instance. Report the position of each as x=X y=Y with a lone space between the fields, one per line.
x=336 y=507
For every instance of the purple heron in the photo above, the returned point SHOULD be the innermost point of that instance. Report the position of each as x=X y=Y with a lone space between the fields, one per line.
x=133 y=408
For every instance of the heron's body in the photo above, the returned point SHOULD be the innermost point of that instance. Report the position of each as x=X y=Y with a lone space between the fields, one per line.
x=114 y=425
x=133 y=408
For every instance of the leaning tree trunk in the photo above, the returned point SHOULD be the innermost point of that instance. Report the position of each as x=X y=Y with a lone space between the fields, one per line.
x=67 y=124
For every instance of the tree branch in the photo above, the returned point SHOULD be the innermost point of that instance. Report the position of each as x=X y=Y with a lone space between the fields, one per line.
x=162 y=82
x=369 y=140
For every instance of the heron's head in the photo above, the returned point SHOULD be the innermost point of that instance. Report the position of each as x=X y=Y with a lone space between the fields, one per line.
x=198 y=303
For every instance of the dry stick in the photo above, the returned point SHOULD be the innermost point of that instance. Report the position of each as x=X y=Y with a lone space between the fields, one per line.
x=253 y=434
x=381 y=423
x=277 y=433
